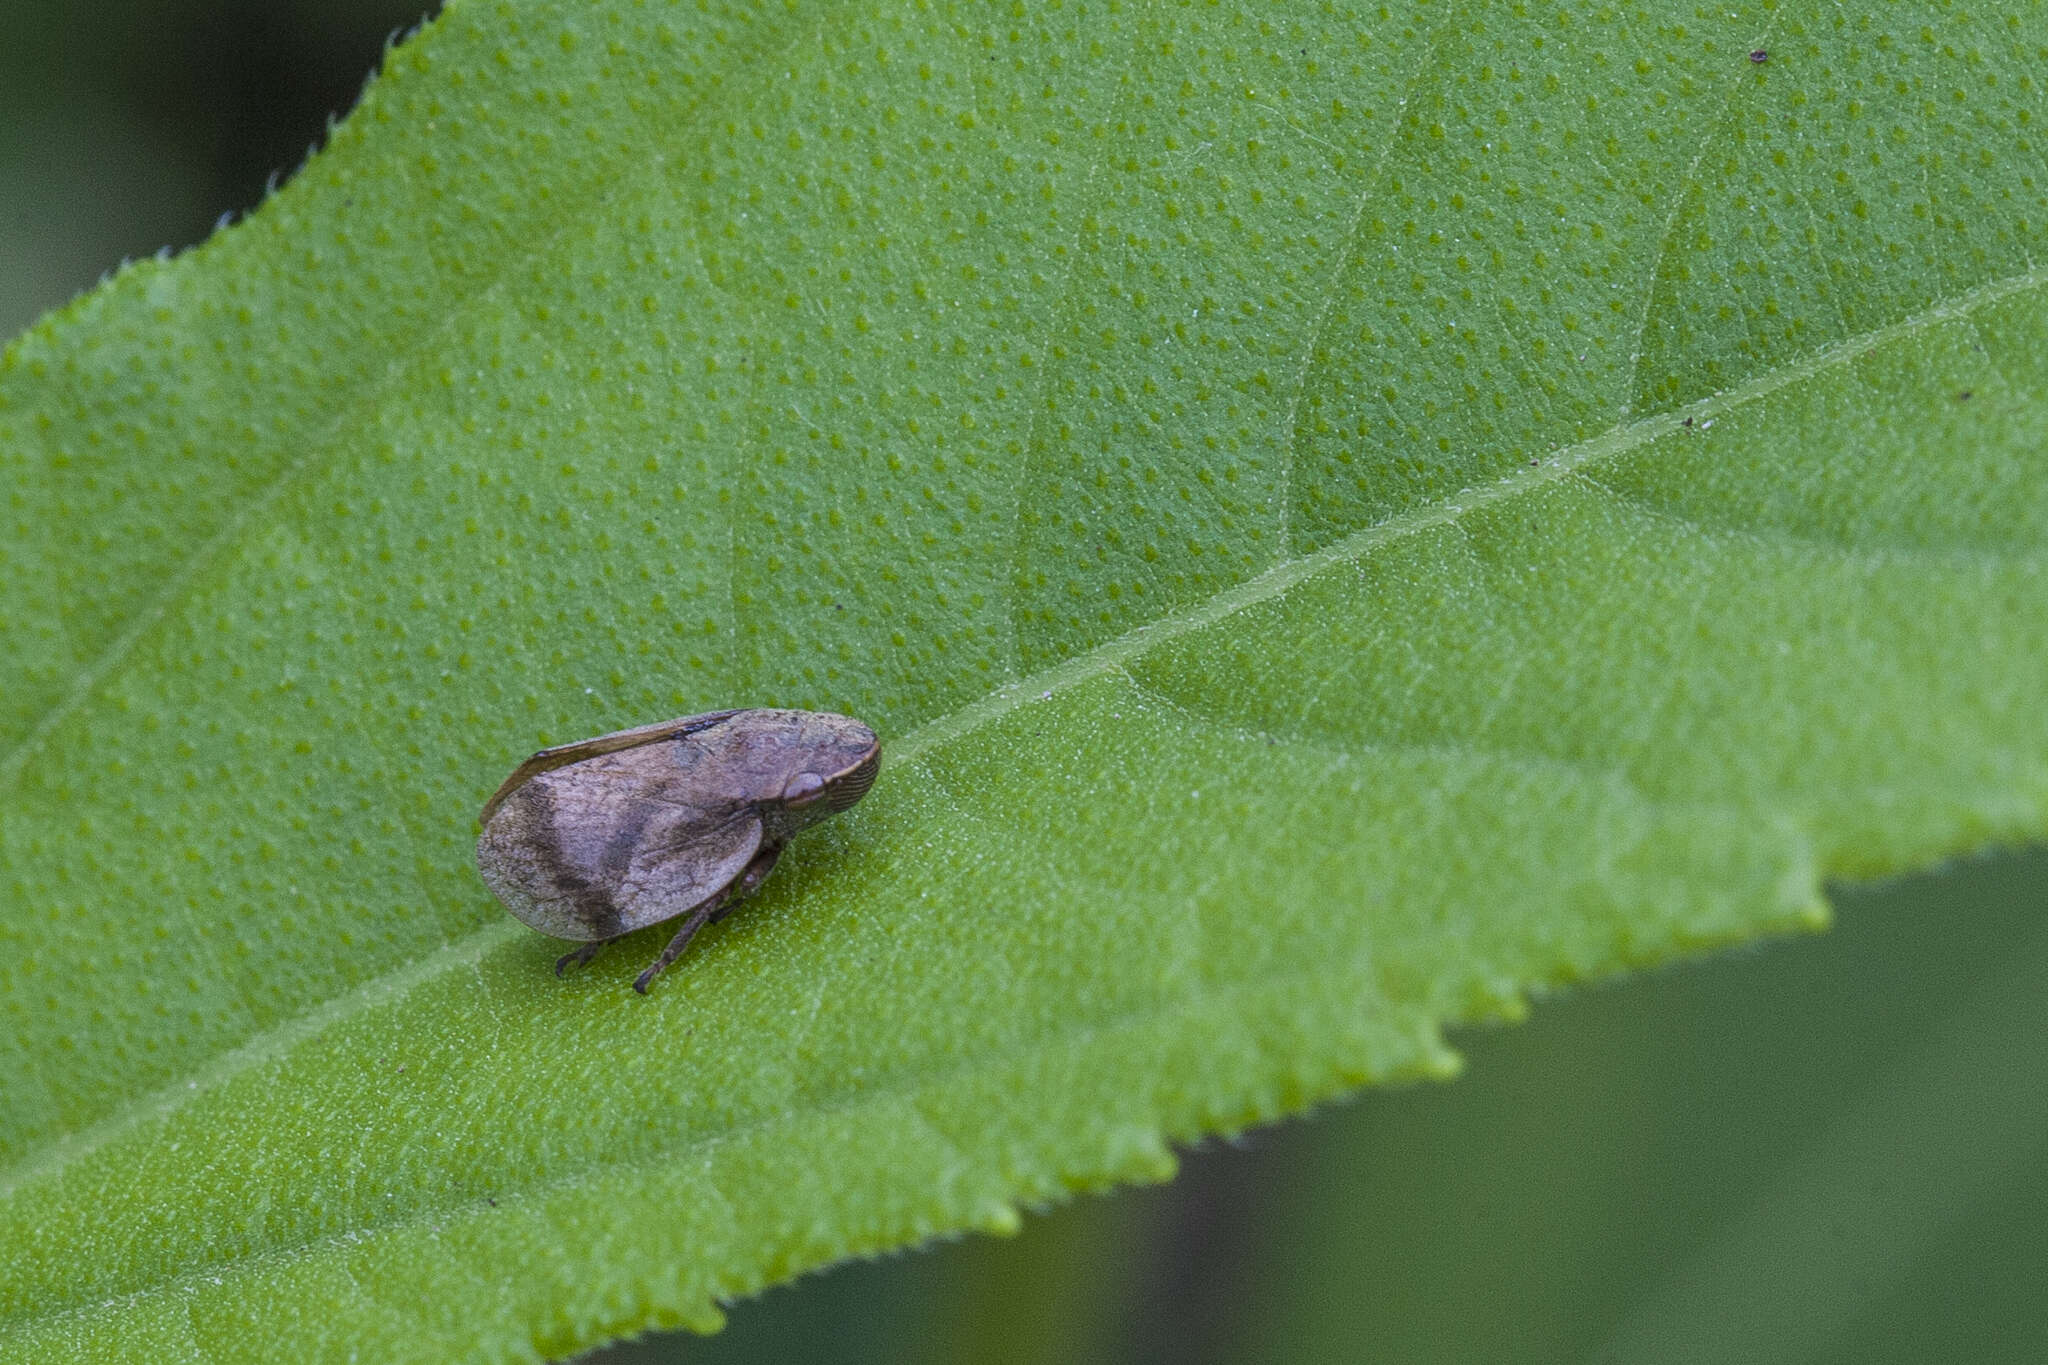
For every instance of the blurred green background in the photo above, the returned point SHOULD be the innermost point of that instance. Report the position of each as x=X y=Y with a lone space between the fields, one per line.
x=1834 y=1149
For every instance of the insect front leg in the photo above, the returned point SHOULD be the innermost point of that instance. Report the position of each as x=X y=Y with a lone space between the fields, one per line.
x=712 y=909
x=583 y=954
x=744 y=885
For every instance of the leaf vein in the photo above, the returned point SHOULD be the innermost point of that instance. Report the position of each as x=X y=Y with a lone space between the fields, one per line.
x=1319 y=327
x=1666 y=237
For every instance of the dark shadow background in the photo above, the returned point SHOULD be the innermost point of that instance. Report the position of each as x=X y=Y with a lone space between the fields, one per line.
x=131 y=125
x=1827 y=1150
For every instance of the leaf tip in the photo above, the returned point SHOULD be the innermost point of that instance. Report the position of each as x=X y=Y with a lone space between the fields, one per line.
x=1141 y=1156
x=1001 y=1219
x=1815 y=914
x=704 y=1318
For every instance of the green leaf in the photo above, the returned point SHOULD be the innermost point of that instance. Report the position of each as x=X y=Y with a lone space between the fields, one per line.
x=1342 y=519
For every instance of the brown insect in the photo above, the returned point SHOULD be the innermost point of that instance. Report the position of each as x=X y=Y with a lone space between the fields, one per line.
x=592 y=840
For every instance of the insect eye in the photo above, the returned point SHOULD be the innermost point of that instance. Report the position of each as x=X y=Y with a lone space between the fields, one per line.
x=803 y=789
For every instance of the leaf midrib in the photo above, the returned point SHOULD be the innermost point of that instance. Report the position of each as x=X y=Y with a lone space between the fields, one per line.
x=1110 y=654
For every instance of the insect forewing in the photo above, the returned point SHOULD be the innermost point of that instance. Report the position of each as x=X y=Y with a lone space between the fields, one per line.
x=615 y=843
x=683 y=865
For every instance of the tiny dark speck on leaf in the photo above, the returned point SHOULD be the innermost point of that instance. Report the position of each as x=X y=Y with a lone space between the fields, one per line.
x=1759 y=56
x=1963 y=395
x=492 y=1202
